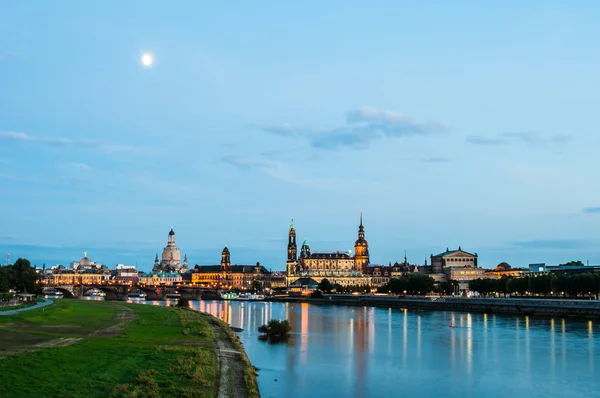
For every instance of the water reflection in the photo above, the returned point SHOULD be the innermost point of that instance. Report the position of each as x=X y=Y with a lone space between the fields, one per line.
x=372 y=352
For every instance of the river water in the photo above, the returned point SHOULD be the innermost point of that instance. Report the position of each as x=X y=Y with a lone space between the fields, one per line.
x=339 y=351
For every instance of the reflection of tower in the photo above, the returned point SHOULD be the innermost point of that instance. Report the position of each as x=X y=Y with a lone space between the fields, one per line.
x=304 y=333
x=292 y=250
x=361 y=249
x=360 y=350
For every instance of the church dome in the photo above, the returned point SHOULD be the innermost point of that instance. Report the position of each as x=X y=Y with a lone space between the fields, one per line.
x=361 y=242
x=171 y=233
x=84 y=261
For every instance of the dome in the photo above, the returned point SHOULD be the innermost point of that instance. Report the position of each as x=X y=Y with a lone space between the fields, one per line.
x=225 y=250
x=360 y=242
x=84 y=261
x=171 y=233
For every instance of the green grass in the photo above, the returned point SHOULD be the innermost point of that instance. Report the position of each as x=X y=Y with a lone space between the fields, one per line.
x=122 y=350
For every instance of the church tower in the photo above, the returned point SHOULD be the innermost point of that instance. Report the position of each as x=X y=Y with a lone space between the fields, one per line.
x=292 y=250
x=171 y=238
x=225 y=260
x=361 y=249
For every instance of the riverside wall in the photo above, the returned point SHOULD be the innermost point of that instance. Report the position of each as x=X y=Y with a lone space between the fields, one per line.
x=518 y=306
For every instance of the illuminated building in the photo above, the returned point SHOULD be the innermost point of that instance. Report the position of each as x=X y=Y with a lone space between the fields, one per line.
x=338 y=267
x=229 y=276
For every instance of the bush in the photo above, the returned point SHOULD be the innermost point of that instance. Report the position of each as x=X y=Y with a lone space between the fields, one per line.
x=275 y=328
x=183 y=302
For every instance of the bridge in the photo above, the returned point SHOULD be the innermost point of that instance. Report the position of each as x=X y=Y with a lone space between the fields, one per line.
x=120 y=291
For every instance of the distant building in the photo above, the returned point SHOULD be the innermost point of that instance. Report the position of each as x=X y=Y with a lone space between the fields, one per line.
x=381 y=274
x=505 y=270
x=171 y=258
x=303 y=287
x=338 y=267
x=227 y=276
x=278 y=280
x=84 y=272
x=160 y=278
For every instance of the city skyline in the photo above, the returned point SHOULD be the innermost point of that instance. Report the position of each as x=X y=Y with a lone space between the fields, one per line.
x=445 y=126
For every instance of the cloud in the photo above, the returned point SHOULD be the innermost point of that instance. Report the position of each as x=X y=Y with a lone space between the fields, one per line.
x=436 y=159
x=480 y=140
x=279 y=171
x=101 y=145
x=552 y=244
x=591 y=210
x=530 y=138
x=535 y=139
x=361 y=127
x=78 y=166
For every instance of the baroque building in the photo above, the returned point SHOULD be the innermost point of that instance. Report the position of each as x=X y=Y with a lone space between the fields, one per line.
x=171 y=258
x=227 y=276
x=338 y=267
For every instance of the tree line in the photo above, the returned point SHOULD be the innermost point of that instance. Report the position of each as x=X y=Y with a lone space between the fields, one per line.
x=19 y=276
x=556 y=285
x=411 y=283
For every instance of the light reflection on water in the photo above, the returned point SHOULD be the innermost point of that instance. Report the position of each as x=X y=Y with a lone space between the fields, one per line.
x=372 y=352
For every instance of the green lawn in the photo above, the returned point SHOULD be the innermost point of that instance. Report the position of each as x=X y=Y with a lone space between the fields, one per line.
x=79 y=348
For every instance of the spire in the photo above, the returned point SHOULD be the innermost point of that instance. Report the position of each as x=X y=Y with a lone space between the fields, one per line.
x=292 y=224
x=361 y=224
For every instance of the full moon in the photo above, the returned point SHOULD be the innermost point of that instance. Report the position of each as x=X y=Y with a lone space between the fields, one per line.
x=147 y=60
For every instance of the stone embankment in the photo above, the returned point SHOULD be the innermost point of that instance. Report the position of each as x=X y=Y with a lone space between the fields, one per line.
x=519 y=306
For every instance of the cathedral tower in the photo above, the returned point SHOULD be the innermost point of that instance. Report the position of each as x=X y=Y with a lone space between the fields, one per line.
x=361 y=249
x=225 y=260
x=292 y=250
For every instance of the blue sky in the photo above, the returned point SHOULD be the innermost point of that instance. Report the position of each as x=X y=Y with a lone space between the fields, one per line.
x=449 y=123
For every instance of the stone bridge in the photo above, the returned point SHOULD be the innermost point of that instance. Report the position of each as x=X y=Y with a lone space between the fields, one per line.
x=120 y=291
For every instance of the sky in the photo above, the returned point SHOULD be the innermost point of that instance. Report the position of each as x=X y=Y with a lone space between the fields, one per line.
x=449 y=123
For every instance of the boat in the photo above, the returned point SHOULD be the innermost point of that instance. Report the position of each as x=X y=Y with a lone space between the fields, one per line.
x=249 y=297
x=54 y=293
x=98 y=294
x=140 y=295
x=173 y=295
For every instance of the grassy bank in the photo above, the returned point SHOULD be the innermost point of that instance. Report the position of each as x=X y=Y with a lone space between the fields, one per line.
x=82 y=348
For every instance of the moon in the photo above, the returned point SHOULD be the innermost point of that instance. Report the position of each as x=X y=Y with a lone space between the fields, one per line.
x=147 y=60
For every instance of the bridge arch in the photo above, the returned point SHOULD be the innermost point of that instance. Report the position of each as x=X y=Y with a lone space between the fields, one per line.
x=66 y=292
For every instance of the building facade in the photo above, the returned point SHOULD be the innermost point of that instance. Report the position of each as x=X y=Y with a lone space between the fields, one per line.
x=230 y=277
x=338 y=267
x=381 y=274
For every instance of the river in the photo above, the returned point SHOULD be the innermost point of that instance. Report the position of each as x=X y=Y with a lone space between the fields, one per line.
x=339 y=351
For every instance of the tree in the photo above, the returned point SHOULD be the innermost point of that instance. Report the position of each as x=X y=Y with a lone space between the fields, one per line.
x=256 y=286
x=325 y=286
x=275 y=329
x=411 y=283
x=22 y=276
x=4 y=279
x=577 y=263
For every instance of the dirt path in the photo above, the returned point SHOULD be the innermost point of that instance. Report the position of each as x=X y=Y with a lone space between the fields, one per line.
x=230 y=367
x=33 y=307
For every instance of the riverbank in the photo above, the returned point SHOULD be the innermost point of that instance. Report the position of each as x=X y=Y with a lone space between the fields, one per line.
x=517 y=306
x=79 y=348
